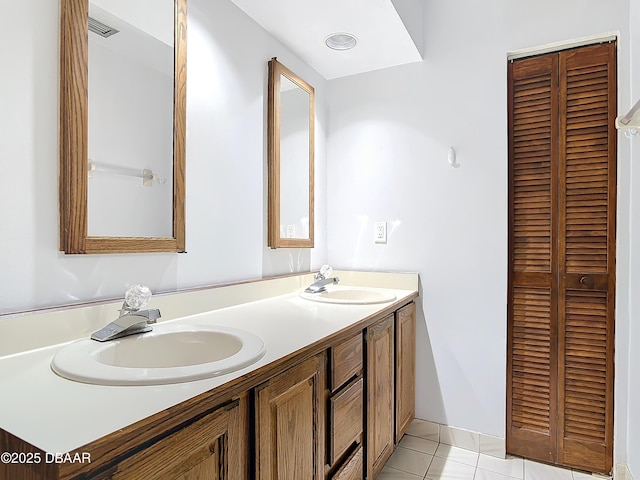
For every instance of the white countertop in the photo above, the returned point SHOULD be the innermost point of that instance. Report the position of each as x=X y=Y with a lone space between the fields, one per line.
x=58 y=415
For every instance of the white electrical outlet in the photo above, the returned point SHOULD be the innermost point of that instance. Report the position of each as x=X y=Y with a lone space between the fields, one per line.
x=380 y=232
x=291 y=231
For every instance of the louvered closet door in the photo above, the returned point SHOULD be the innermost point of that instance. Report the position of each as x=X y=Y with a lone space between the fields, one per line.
x=561 y=275
x=533 y=283
x=587 y=257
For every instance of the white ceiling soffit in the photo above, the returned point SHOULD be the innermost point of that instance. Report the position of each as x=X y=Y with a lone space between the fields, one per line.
x=383 y=39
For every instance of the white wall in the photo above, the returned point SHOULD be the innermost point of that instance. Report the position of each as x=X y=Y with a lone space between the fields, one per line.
x=226 y=164
x=389 y=135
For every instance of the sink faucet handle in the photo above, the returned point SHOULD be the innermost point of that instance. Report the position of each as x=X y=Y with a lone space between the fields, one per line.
x=136 y=297
x=325 y=271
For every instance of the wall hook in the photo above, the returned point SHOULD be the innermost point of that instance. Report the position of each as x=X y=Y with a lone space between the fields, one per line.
x=451 y=156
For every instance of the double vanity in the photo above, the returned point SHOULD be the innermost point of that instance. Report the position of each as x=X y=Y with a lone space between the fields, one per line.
x=252 y=380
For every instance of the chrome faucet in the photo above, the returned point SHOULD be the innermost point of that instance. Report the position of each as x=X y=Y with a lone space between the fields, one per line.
x=322 y=279
x=132 y=320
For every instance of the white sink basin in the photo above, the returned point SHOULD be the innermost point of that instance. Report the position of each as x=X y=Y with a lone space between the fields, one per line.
x=349 y=296
x=167 y=354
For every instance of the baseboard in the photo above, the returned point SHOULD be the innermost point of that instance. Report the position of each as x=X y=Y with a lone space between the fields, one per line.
x=622 y=473
x=459 y=437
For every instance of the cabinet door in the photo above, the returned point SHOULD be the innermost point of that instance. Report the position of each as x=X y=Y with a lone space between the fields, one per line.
x=203 y=449
x=380 y=394
x=290 y=418
x=405 y=368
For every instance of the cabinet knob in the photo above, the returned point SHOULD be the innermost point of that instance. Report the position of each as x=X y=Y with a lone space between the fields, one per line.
x=586 y=281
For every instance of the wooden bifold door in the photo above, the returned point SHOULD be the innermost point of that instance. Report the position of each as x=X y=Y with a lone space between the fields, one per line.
x=562 y=199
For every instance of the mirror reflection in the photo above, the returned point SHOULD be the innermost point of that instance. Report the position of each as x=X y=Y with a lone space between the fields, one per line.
x=290 y=158
x=294 y=160
x=130 y=99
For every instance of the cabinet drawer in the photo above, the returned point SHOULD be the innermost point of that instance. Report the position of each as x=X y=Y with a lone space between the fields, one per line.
x=346 y=361
x=346 y=417
x=352 y=468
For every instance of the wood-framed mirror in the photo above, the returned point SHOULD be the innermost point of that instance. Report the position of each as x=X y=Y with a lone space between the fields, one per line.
x=290 y=133
x=138 y=195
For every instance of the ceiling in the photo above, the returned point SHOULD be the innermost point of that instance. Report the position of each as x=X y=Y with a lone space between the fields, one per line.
x=302 y=25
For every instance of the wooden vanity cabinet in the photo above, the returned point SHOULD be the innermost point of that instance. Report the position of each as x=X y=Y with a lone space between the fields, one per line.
x=309 y=419
x=289 y=423
x=336 y=414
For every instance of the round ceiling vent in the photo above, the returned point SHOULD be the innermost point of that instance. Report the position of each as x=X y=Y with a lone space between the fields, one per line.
x=341 y=41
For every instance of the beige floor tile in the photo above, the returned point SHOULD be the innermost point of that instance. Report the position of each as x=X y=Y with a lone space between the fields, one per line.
x=444 y=469
x=410 y=461
x=455 y=454
x=482 y=474
x=419 y=444
x=389 y=473
x=511 y=466
x=541 y=471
